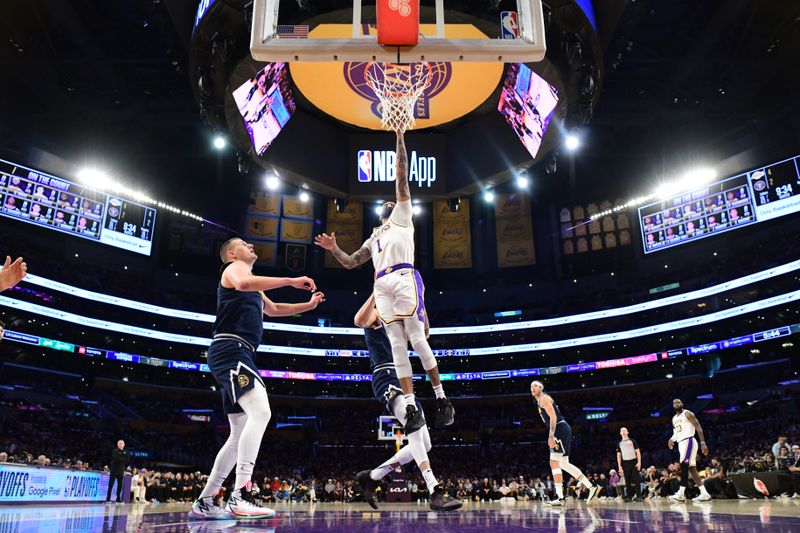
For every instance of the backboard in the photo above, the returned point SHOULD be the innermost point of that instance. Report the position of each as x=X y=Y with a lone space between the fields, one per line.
x=528 y=46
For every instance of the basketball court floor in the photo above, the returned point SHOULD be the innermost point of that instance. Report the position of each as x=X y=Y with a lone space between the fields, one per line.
x=603 y=516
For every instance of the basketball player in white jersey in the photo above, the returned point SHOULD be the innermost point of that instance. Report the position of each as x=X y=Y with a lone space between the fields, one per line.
x=399 y=292
x=684 y=427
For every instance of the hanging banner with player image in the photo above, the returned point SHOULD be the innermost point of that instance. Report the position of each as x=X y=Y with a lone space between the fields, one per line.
x=348 y=225
x=514 y=229
x=452 y=241
x=266 y=251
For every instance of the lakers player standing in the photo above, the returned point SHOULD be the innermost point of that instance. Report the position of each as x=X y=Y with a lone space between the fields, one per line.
x=399 y=291
x=684 y=427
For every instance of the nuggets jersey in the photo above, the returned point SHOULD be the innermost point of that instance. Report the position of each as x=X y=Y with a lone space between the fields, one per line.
x=393 y=243
x=682 y=428
x=546 y=417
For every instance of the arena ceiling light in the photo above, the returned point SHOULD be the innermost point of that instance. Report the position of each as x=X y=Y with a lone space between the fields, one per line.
x=219 y=142
x=95 y=178
x=304 y=197
x=522 y=182
x=417 y=209
x=690 y=180
x=488 y=195
x=273 y=182
x=378 y=209
x=572 y=142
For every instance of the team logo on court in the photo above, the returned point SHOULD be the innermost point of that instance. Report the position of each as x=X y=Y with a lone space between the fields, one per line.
x=243 y=380
x=355 y=76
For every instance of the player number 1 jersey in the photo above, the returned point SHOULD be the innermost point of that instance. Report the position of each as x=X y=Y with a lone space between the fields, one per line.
x=393 y=243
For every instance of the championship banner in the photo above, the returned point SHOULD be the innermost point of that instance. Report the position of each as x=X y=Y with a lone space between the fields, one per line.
x=295 y=257
x=262 y=227
x=452 y=241
x=348 y=227
x=264 y=203
x=294 y=208
x=514 y=230
x=296 y=230
x=28 y=484
x=266 y=251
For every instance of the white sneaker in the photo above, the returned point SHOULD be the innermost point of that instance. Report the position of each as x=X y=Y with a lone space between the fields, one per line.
x=704 y=497
x=561 y=502
x=242 y=505
x=207 y=509
x=593 y=492
x=677 y=497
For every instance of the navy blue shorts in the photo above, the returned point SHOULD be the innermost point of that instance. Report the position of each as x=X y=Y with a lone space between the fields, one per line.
x=563 y=438
x=234 y=367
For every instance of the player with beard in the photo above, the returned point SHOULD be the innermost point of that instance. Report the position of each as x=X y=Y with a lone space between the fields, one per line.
x=399 y=291
x=559 y=440
x=386 y=389
x=684 y=427
x=241 y=304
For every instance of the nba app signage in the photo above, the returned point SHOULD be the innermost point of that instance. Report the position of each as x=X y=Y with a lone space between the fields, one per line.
x=379 y=165
x=372 y=163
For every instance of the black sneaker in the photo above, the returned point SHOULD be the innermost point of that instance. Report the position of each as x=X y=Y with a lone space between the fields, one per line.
x=445 y=414
x=414 y=420
x=368 y=486
x=441 y=501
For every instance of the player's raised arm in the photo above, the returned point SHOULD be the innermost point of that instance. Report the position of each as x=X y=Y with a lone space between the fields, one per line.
x=401 y=172
x=359 y=257
x=239 y=276
x=274 y=309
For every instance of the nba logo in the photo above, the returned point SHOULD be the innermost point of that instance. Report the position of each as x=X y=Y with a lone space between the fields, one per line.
x=364 y=166
x=508 y=24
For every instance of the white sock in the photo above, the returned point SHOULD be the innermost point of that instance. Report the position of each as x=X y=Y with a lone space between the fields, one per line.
x=256 y=405
x=703 y=489
x=382 y=470
x=410 y=400
x=226 y=457
x=430 y=480
x=438 y=390
x=560 y=490
x=680 y=489
x=585 y=482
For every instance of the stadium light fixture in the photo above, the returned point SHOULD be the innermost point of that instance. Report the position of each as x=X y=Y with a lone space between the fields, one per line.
x=417 y=209
x=304 y=197
x=488 y=195
x=219 y=142
x=572 y=142
x=273 y=183
x=378 y=209
x=94 y=178
x=522 y=182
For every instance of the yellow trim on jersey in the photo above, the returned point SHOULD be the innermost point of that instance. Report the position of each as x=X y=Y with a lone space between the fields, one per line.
x=416 y=304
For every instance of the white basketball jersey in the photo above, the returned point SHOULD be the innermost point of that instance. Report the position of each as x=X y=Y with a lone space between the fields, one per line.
x=393 y=243
x=682 y=428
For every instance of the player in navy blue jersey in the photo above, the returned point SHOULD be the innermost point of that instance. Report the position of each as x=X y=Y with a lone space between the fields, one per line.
x=559 y=440
x=386 y=388
x=241 y=304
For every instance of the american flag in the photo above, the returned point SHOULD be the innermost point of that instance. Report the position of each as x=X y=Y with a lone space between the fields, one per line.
x=293 y=31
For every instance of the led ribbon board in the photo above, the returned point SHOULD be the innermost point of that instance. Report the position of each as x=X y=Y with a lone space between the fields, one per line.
x=457 y=330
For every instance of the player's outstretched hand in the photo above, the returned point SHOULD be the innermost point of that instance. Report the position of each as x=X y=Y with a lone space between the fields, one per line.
x=326 y=241
x=704 y=448
x=12 y=273
x=316 y=299
x=671 y=444
x=303 y=282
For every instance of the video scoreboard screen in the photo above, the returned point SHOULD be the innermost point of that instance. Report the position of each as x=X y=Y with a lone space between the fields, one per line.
x=755 y=196
x=61 y=205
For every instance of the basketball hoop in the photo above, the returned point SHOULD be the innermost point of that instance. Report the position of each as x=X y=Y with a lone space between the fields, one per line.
x=398 y=87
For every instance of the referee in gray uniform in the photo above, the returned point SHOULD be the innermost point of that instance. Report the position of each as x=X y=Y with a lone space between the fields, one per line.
x=629 y=459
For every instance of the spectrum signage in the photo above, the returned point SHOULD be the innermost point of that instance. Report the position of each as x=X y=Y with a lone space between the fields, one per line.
x=373 y=165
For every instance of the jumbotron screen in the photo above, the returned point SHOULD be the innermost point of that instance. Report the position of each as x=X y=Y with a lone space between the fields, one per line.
x=266 y=104
x=527 y=103
x=755 y=196
x=61 y=205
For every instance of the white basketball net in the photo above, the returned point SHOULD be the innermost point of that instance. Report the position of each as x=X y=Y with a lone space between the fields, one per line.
x=398 y=87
